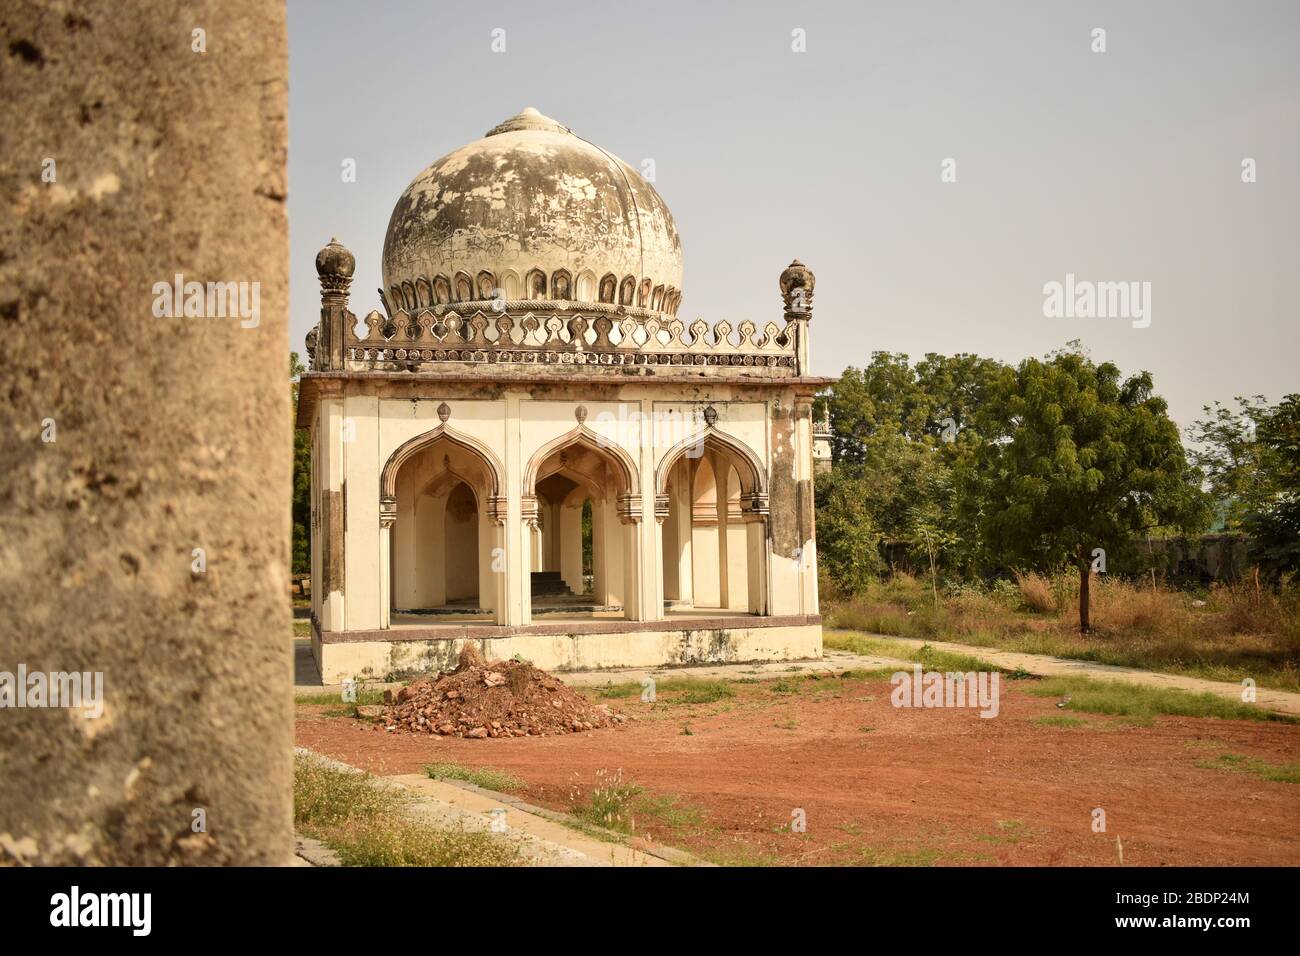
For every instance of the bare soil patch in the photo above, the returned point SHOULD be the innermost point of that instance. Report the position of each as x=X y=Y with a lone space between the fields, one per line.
x=880 y=785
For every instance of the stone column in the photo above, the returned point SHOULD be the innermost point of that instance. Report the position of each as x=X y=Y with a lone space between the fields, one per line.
x=570 y=524
x=526 y=532
x=145 y=455
x=682 y=505
x=756 y=564
x=387 y=517
x=498 y=512
x=633 y=608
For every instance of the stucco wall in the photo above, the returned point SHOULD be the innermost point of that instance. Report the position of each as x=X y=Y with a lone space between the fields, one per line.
x=515 y=424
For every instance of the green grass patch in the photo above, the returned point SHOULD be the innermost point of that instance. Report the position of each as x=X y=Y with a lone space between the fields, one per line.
x=687 y=690
x=878 y=856
x=1060 y=721
x=625 y=807
x=365 y=695
x=366 y=825
x=1140 y=704
x=610 y=803
x=489 y=778
x=619 y=691
x=1009 y=831
x=1277 y=773
x=929 y=657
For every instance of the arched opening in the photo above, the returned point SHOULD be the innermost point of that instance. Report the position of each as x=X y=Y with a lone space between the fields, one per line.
x=584 y=514
x=536 y=284
x=441 y=504
x=714 y=542
x=464 y=287
x=565 y=549
x=441 y=290
x=460 y=538
x=510 y=286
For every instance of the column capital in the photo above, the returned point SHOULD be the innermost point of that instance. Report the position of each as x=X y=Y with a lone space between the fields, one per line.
x=629 y=508
x=528 y=511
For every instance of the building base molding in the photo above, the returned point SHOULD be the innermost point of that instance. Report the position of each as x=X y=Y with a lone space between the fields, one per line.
x=379 y=655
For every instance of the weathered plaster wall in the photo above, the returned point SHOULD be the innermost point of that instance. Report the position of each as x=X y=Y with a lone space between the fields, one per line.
x=171 y=433
x=653 y=646
x=516 y=422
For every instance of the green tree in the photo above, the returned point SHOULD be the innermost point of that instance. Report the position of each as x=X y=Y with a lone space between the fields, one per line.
x=848 y=542
x=1251 y=458
x=898 y=432
x=1075 y=459
x=301 y=508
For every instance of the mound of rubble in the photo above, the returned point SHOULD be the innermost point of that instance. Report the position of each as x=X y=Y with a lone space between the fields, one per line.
x=492 y=699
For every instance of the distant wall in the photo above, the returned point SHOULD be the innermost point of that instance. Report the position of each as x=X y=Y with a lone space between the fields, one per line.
x=1211 y=557
x=170 y=434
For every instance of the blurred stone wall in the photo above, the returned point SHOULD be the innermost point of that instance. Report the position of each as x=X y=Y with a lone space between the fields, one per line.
x=145 y=458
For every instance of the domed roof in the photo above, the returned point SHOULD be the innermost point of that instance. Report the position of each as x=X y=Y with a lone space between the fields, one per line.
x=536 y=212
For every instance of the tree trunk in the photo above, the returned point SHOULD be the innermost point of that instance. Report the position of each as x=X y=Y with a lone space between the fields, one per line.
x=1085 y=574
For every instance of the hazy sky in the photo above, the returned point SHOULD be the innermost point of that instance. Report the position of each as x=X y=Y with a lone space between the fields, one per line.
x=1116 y=166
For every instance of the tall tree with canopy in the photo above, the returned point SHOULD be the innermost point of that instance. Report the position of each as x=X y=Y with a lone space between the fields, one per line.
x=1076 y=459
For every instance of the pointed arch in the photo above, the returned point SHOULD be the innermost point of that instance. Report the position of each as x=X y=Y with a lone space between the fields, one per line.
x=584 y=436
x=749 y=466
x=511 y=288
x=423 y=292
x=464 y=287
x=609 y=288
x=441 y=290
x=492 y=467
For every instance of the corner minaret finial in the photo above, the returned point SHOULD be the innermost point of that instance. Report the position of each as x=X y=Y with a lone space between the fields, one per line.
x=797 y=282
x=334 y=266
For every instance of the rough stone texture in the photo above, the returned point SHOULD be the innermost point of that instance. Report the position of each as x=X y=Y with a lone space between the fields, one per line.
x=172 y=433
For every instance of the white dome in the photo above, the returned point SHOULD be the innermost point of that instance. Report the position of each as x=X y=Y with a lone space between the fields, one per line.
x=538 y=213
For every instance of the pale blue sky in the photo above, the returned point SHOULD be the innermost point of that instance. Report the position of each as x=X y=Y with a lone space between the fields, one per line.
x=1117 y=166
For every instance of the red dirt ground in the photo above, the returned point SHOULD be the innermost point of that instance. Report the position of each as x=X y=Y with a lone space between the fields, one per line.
x=897 y=786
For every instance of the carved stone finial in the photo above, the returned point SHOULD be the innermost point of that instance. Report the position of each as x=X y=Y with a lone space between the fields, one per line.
x=334 y=266
x=580 y=413
x=444 y=412
x=313 y=338
x=710 y=416
x=797 y=282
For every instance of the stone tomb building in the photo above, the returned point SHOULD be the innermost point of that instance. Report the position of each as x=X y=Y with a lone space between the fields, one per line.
x=528 y=449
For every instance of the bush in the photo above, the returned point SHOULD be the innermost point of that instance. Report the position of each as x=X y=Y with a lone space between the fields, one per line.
x=1036 y=593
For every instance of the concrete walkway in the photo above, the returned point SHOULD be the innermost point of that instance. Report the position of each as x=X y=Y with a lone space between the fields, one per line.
x=1042 y=665
x=545 y=837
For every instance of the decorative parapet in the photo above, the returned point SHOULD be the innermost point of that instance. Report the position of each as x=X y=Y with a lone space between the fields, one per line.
x=551 y=332
x=525 y=334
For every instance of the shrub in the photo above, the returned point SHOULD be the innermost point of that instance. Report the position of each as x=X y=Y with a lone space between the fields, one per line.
x=1036 y=592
